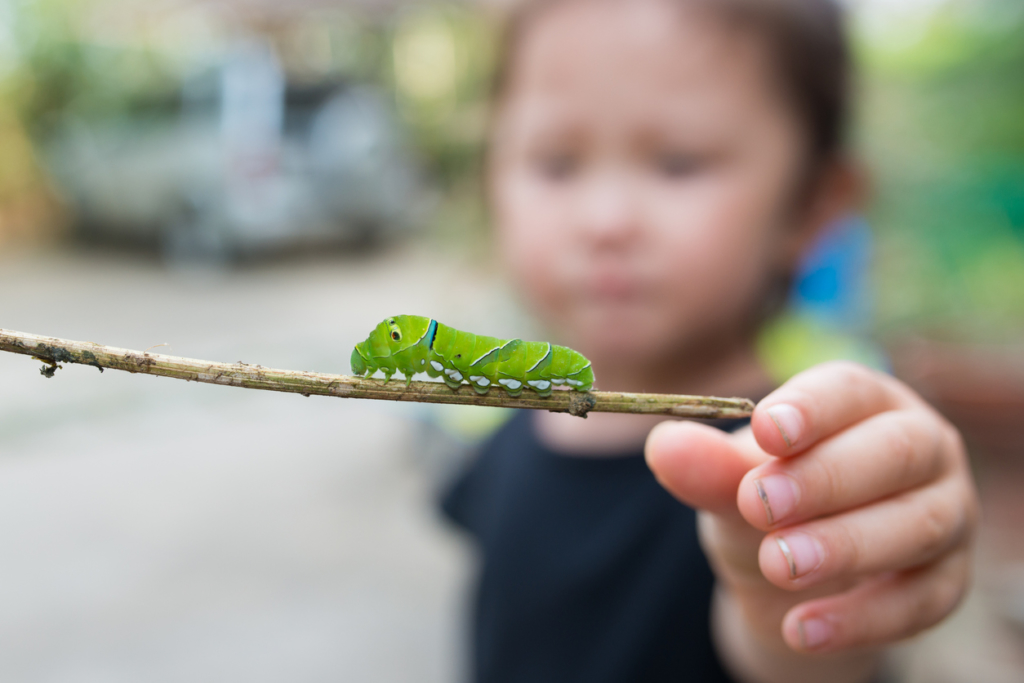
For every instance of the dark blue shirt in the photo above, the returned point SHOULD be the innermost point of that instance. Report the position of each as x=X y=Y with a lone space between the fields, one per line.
x=591 y=570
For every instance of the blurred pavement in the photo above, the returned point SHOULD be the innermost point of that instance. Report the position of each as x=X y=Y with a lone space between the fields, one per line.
x=155 y=530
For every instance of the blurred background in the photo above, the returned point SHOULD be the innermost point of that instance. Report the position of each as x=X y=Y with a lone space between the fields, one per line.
x=259 y=181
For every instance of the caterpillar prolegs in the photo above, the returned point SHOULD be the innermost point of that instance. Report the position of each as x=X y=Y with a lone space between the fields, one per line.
x=411 y=344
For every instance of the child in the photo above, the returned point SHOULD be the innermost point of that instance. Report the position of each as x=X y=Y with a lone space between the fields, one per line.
x=656 y=169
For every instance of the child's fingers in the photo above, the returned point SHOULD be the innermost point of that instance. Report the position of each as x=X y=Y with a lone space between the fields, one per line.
x=882 y=455
x=905 y=531
x=883 y=610
x=822 y=401
x=700 y=465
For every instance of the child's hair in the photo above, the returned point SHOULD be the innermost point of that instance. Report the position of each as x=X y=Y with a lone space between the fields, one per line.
x=805 y=40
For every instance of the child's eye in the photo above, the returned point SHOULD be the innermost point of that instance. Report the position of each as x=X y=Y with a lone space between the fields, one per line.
x=676 y=165
x=558 y=166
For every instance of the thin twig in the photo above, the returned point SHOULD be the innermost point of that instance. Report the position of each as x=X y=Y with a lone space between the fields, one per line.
x=53 y=351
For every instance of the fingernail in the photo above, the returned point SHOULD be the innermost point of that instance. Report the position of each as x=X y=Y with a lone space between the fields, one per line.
x=789 y=421
x=779 y=494
x=803 y=553
x=814 y=633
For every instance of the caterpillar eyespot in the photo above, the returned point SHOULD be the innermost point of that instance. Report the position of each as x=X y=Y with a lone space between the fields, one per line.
x=438 y=350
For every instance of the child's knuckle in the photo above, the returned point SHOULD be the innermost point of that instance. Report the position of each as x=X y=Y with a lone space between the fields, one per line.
x=900 y=442
x=937 y=528
x=849 y=546
x=848 y=371
x=829 y=482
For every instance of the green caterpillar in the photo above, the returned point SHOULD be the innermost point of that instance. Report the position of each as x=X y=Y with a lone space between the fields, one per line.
x=411 y=344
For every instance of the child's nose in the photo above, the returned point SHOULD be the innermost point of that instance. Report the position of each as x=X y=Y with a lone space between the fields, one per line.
x=609 y=211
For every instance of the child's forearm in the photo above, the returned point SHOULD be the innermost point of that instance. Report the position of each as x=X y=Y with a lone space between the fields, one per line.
x=753 y=655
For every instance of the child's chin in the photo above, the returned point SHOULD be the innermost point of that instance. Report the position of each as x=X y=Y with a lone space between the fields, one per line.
x=616 y=326
x=616 y=347
x=622 y=340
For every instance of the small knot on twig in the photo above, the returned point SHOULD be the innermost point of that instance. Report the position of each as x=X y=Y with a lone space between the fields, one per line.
x=49 y=368
x=581 y=404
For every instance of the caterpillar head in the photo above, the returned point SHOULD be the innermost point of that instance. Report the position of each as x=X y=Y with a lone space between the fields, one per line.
x=405 y=330
x=394 y=334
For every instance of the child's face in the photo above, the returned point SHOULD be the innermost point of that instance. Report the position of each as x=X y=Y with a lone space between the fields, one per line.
x=643 y=178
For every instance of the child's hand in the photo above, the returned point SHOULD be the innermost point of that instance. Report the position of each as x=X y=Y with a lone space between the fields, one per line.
x=849 y=493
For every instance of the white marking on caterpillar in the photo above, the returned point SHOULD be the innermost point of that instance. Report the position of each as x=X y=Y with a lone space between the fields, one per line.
x=454 y=374
x=574 y=382
x=423 y=362
x=541 y=359
x=437 y=366
x=540 y=384
x=557 y=381
x=482 y=381
x=512 y=384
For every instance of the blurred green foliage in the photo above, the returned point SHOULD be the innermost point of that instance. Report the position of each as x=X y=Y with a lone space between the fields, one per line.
x=57 y=72
x=942 y=123
x=442 y=59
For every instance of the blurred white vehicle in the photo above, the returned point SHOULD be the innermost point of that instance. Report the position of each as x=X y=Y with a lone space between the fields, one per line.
x=249 y=165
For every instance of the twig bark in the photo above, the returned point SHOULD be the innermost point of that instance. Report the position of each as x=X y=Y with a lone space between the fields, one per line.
x=53 y=351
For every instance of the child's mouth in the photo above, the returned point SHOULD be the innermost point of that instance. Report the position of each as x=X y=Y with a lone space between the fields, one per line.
x=613 y=287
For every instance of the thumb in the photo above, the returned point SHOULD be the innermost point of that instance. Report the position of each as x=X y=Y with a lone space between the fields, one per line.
x=700 y=465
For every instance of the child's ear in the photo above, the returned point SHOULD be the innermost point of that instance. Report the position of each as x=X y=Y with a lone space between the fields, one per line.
x=841 y=190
